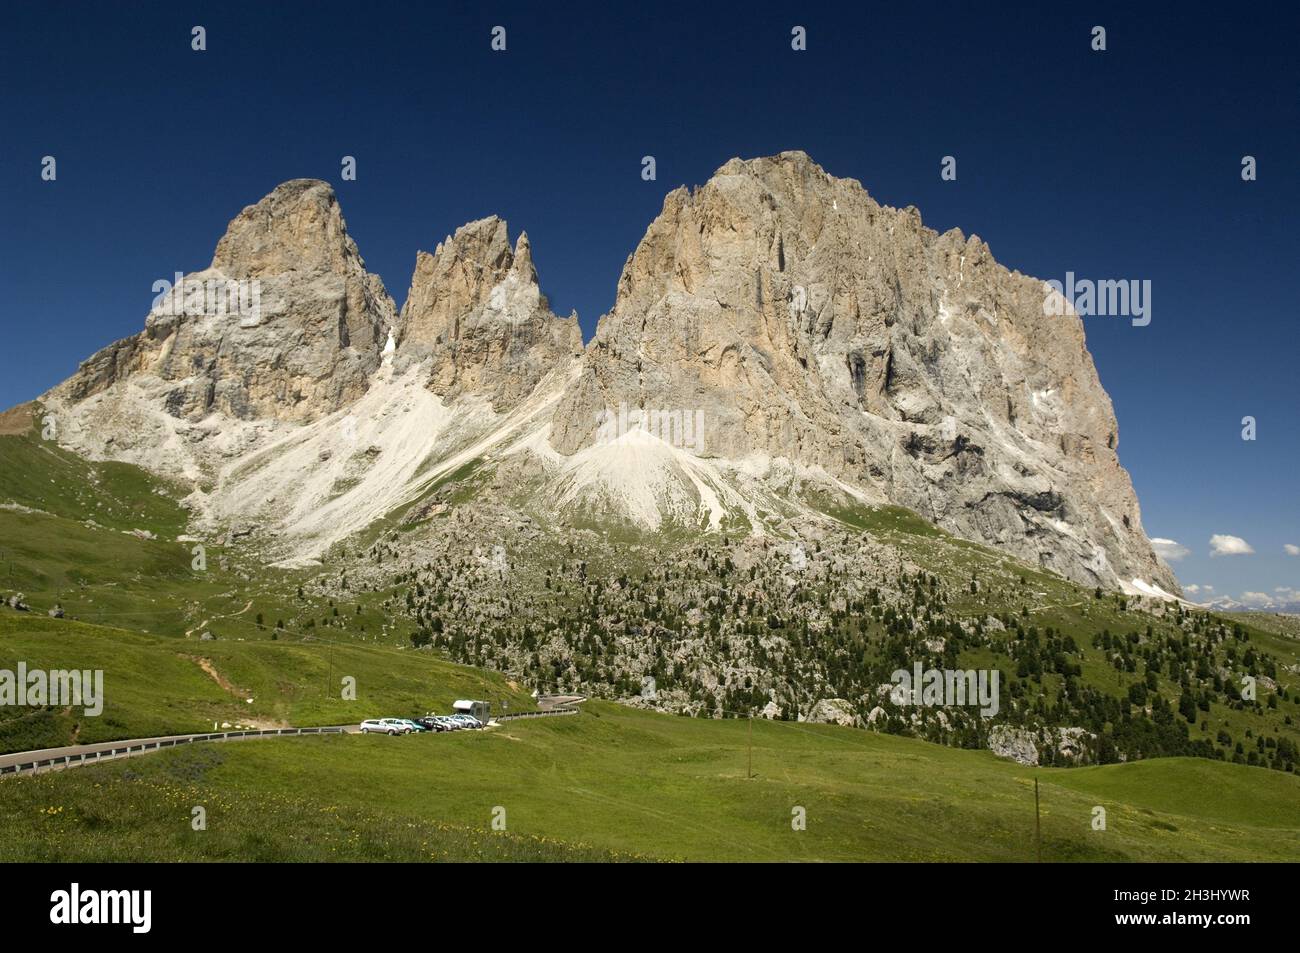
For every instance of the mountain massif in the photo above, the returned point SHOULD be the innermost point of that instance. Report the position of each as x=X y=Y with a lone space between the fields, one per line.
x=780 y=345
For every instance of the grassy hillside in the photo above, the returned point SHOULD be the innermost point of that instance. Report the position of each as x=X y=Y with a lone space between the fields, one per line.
x=68 y=537
x=77 y=534
x=37 y=473
x=158 y=685
x=615 y=782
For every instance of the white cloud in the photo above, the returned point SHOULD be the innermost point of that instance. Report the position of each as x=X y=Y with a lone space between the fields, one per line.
x=1168 y=550
x=1194 y=588
x=1223 y=545
x=1259 y=600
x=1291 y=549
x=1288 y=593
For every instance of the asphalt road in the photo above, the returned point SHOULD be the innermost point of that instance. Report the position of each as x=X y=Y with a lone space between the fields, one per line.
x=75 y=751
x=547 y=704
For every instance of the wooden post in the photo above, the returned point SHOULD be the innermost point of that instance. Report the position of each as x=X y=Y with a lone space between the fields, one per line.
x=750 y=771
x=1038 y=826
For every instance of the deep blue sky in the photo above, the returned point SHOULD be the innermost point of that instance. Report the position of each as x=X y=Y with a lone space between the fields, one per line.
x=1123 y=164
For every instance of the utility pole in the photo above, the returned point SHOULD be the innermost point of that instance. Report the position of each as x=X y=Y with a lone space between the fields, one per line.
x=1038 y=826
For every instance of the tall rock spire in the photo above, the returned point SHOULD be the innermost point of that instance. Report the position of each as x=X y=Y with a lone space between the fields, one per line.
x=476 y=309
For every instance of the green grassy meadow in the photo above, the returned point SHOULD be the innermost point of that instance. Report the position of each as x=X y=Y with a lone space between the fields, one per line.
x=617 y=783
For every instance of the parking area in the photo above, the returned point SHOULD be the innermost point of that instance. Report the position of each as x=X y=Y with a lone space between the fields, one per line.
x=425 y=723
x=467 y=715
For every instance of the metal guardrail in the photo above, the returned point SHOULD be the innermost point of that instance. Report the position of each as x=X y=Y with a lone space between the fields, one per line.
x=125 y=751
x=536 y=714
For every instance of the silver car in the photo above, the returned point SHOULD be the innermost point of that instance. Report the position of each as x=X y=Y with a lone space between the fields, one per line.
x=386 y=726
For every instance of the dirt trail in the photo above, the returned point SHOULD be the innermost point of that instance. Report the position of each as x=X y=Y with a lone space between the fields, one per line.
x=228 y=615
x=211 y=671
x=207 y=666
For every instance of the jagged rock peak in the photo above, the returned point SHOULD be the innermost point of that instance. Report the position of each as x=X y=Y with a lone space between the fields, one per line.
x=523 y=263
x=457 y=278
x=476 y=309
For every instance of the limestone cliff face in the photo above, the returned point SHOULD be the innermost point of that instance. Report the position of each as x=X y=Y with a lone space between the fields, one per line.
x=475 y=308
x=810 y=323
x=285 y=324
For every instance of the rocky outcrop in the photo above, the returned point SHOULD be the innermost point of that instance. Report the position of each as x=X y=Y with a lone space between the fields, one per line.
x=285 y=324
x=809 y=323
x=833 y=711
x=475 y=308
x=1018 y=744
x=1024 y=744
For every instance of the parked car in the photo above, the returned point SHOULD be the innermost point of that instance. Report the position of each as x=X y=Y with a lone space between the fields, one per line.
x=432 y=723
x=467 y=721
x=414 y=725
x=387 y=726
